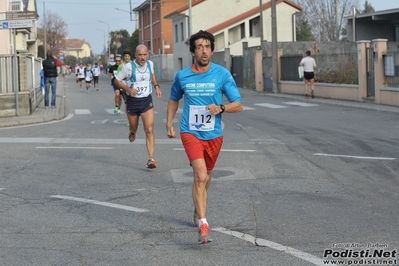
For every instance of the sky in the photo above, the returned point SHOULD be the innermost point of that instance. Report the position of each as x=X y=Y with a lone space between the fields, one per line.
x=83 y=17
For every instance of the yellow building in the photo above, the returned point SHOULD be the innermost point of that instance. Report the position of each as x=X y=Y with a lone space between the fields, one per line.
x=78 y=48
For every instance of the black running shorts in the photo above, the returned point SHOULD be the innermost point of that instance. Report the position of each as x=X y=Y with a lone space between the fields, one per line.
x=136 y=106
x=308 y=75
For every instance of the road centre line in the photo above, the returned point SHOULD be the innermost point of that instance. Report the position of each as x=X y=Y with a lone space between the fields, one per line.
x=266 y=243
x=228 y=150
x=87 y=148
x=106 y=204
x=355 y=157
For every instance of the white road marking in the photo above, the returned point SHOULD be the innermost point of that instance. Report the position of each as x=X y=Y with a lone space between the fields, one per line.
x=106 y=204
x=355 y=157
x=269 y=105
x=248 y=108
x=266 y=243
x=82 y=112
x=2 y=188
x=86 y=141
x=301 y=104
x=228 y=150
x=87 y=148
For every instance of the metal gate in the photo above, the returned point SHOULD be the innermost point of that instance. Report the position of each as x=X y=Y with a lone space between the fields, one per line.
x=237 y=70
x=267 y=64
x=370 y=71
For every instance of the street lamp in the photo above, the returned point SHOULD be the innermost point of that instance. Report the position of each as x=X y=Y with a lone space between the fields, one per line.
x=104 y=38
x=109 y=45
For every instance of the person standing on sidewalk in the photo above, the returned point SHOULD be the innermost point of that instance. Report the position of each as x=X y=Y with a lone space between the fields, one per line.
x=118 y=95
x=309 y=64
x=140 y=78
x=203 y=86
x=50 y=76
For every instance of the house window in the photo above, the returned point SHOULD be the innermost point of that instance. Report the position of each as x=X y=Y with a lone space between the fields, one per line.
x=396 y=37
x=254 y=27
x=182 y=31
x=176 y=34
x=236 y=33
x=219 y=41
x=180 y=63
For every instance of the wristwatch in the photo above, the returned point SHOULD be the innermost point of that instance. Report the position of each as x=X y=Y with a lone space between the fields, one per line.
x=223 y=108
x=156 y=85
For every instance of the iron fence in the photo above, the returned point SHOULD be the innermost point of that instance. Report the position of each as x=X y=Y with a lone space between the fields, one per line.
x=391 y=69
x=331 y=68
x=6 y=67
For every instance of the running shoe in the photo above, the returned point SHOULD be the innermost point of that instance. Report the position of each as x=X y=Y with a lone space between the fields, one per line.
x=203 y=234
x=119 y=111
x=306 y=96
x=132 y=136
x=312 y=94
x=116 y=110
x=151 y=163
x=195 y=218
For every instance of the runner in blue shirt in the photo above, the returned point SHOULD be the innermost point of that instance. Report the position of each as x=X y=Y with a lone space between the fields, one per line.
x=202 y=85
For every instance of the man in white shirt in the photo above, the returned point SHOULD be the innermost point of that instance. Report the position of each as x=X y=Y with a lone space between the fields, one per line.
x=80 y=74
x=96 y=73
x=139 y=102
x=309 y=64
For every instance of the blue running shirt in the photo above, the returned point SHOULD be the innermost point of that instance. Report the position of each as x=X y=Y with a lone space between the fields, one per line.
x=200 y=90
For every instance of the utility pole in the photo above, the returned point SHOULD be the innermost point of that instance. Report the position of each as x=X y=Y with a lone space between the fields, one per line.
x=190 y=20
x=336 y=19
x=44 y=29
x=130 y=11
x=261 y=21
x=274 y=48
x=151 y=28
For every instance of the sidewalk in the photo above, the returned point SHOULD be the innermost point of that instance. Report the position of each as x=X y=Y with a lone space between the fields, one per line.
x=41 y=114
x=45 y=115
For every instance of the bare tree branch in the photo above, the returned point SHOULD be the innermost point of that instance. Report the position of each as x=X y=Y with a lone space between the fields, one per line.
x=56 y=31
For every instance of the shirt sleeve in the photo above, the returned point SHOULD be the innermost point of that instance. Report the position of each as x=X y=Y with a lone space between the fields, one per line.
x=125 y=73
x=176 y=92
x=230 y=89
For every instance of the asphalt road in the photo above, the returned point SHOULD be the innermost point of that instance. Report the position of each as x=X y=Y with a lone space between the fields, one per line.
x=298 y=182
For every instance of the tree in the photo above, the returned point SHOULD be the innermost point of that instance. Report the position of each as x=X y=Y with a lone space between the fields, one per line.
x=134 y=40
x=327 y=17
x=71 y=60
x=368 y=7
x=303 y=31
x=120 y=41
x=56 y=32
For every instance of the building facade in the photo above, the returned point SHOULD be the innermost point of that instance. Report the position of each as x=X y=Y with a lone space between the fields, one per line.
x=240 y=22
x=155 y=31
x=26 y=38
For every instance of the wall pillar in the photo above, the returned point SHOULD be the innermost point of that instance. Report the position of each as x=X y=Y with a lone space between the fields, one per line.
x=362 y=67
x=22 y=71
x=259 y=86
x=380 y=48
